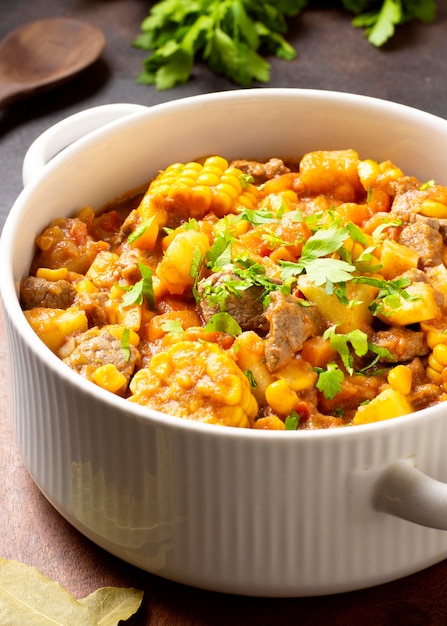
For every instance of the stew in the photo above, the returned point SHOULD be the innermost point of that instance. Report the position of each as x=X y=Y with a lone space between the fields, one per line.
x=270 y=295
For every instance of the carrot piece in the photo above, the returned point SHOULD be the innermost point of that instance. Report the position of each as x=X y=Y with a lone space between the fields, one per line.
x=318 y=352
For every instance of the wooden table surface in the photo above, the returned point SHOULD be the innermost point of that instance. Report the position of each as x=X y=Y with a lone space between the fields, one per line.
x=331 y=55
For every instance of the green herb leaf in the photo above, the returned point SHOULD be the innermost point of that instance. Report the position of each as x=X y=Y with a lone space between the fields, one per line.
x=142 y=289
x=292 y=421
x=251 y=379
x=172 y=326
x=224 y=323
x=125 y=344
x=229 y=35
x=226 y=34
x=330 y=381
x=140 y=230
x=340 y=343
x=323 y=242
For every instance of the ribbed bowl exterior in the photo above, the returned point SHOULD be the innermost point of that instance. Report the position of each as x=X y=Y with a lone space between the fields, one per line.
x=248 y=512
x=281 y=516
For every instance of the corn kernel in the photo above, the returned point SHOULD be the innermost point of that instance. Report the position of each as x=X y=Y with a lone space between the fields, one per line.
x=434 y=337
x=270 y=422
x=434 y=375
x=230 y=190
x=52 y=275
x=280 y=397
x=208 y=178
x=232 y=177
x=85 y=286
x=222 y=204
x=434 y=364
x=368 y=171
x=201 y=200
x=216 y=161
x=432 y=208
x=180 y=192
x=400 y=379
x=440 y=353
x=108 y=377
x=298 y=375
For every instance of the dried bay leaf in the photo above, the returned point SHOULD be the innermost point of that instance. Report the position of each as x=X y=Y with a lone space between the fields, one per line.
x=109 y=605
x=28 y=597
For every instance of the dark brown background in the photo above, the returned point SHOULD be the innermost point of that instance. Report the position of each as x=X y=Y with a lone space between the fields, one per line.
x=331 y=55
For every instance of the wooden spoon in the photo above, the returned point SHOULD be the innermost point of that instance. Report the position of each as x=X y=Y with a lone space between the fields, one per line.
x=39 y=55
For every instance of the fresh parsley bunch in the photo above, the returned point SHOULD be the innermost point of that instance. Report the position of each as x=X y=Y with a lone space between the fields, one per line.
x=379 y=18
x=228 y=34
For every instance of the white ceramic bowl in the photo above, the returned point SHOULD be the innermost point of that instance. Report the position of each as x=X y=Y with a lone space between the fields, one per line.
x=241 y=511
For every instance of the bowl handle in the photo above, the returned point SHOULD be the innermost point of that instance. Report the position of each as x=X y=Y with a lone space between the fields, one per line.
x=63 y=133
x=406 y=492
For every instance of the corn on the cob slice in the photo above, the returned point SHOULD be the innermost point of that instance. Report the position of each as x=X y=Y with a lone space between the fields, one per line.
x=193 y=190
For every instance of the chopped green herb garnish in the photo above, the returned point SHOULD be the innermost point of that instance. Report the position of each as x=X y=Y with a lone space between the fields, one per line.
x=125 y=344
x=314 y=261
x=140 y=230
x=224 y=323
x=142 y=289
x=340 y=343
x=330 y=380
x=251 y=379
x=260 y=216
x=292 y=421
x=172 y=326
x=427 y=185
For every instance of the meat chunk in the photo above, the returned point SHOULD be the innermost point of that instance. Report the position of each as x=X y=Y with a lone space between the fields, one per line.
x=425 y=240
x=261 y=172
x=98 y=347
x=290 y=325
x=94 y=306
x=245 y=306
x=403 y=344
x=39 y=292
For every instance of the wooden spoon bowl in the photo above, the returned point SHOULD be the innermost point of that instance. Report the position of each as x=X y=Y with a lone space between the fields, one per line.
x=45 y=53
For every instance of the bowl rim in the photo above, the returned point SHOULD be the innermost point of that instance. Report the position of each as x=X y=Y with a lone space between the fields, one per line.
x=14 y=313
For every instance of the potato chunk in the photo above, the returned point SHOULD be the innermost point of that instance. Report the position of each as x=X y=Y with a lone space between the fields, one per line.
x=388 y=404
x=329 y=306
x=54 y=325
x=420 y=307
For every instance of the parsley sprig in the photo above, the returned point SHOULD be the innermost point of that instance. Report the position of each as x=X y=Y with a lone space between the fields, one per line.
x=316 y=263
x=226 y=34
x=142 y=289
x=231 y=35
x=347 y=345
